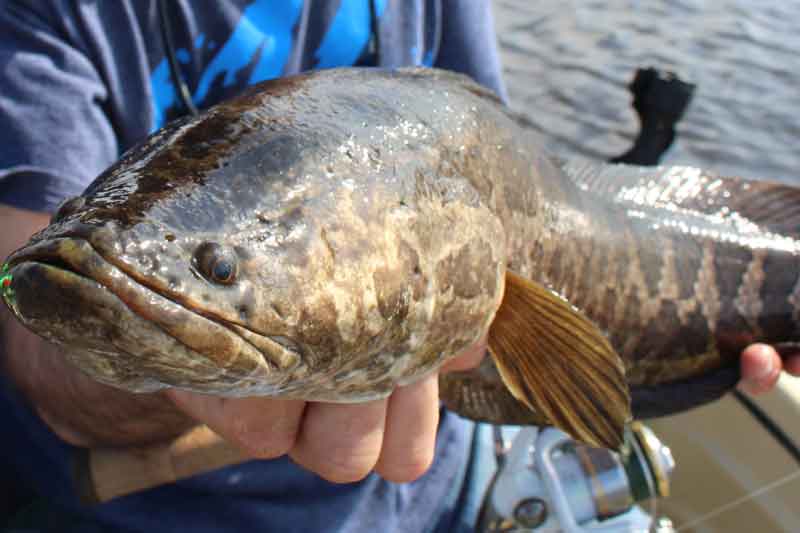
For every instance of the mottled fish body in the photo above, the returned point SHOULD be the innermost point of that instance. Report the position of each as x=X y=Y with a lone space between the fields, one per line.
x=332 y=235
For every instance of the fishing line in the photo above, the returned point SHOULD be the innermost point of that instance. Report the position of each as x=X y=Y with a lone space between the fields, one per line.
x=725 y=507
x=774 y=429
x=779 y=435
x=174 y=70
x=375 y=35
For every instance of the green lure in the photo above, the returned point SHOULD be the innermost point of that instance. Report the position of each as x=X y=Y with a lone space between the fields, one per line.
x=5 y=285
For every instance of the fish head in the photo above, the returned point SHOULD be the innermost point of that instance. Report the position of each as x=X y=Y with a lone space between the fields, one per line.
x=166 y=271
x=239 y=254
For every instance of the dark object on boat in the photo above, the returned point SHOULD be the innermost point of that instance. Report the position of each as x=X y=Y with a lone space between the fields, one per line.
x=660 y=99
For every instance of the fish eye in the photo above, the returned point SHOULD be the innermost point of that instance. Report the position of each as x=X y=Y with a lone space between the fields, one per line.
x=216 y=263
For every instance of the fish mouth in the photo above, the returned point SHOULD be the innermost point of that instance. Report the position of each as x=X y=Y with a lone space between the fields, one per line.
x=126 y=334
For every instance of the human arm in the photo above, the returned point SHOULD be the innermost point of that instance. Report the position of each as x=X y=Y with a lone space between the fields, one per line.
x=81 y=411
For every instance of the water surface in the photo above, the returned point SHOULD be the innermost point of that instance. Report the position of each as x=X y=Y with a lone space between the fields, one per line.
x=567 y=66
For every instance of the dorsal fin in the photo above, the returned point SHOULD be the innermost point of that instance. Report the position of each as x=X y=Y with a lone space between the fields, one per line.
x=772 y=206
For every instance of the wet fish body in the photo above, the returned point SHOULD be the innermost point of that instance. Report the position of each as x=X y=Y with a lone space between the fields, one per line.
x=333 y=235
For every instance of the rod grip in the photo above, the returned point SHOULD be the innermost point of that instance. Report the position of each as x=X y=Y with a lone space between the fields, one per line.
x=102 y=474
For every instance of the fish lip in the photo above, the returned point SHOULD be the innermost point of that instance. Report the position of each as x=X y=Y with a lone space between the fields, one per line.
x=38 y=315
x=77 y=256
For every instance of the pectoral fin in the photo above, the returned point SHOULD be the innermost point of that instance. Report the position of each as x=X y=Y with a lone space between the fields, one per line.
x=558 y=363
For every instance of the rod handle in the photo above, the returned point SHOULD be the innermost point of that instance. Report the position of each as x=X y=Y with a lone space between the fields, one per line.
x=103 y=474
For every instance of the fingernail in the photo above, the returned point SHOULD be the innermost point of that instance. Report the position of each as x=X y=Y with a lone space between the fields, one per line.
x=766 y=370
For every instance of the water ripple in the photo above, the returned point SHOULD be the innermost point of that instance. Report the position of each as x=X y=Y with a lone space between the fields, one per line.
x=567 y=65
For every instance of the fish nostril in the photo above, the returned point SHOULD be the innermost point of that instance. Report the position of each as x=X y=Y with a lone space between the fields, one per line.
x=68 y=207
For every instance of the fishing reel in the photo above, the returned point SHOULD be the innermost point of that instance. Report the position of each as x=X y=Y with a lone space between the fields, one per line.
x=547 y=482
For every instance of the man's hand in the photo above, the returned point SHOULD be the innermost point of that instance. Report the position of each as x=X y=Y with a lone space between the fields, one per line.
x=340 y=442
x=761 y=367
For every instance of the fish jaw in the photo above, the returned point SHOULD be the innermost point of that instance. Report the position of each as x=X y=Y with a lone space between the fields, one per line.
x=66 y=292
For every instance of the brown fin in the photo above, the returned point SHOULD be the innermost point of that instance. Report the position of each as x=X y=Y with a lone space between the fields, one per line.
x=480 y=394
x=559 y=364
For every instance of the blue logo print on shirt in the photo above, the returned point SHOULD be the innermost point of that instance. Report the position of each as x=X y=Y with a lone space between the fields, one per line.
x=261 y=43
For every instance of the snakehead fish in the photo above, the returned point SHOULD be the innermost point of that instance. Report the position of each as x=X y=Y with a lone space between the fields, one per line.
x=332 y=235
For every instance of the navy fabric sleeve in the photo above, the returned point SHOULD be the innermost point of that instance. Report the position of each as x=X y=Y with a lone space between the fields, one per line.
x=54 y=134
x=469 y=43
x=34 y=448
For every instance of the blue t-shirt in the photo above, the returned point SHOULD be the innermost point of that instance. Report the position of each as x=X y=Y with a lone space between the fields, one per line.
x=80 y=83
